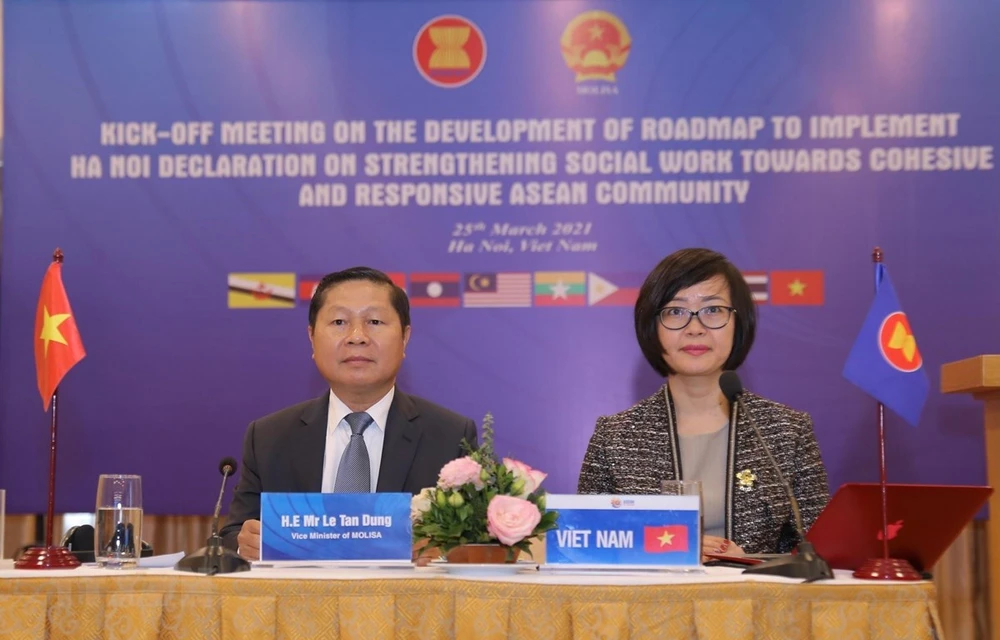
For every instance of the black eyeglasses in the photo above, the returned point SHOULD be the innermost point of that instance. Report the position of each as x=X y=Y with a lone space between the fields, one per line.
x=713 y=317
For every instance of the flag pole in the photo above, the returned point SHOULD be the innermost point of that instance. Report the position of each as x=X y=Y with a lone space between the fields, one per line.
x=884 y=568
x=884 y=490
x=49 y=556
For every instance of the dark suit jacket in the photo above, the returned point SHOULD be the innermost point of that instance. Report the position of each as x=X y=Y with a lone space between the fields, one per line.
x=283 y=452
x=632 y=451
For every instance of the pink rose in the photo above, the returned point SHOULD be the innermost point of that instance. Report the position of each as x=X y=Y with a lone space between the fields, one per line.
x=532 y=477
x=461 y=471
x=510 y=519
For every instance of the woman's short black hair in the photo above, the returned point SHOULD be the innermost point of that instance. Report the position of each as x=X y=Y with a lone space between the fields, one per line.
x=680 y=270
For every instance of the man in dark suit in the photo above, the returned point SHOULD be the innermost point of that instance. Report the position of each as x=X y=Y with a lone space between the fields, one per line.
x=364 y=434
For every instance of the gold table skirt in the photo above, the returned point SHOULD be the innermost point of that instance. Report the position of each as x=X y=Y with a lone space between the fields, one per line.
x=194 y=607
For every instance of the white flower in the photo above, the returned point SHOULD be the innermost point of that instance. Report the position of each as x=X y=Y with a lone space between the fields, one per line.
x=421 y=503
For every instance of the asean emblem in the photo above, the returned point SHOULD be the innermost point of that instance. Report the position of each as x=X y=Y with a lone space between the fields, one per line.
x=595 y=45
x=897 y=344
x=449 y=51
x=745 y=480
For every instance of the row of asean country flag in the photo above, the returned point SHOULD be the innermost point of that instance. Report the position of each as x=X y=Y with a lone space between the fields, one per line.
x=514 y=289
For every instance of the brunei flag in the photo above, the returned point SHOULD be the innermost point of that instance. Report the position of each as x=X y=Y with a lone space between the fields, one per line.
x=261 y=290
x=560 y=288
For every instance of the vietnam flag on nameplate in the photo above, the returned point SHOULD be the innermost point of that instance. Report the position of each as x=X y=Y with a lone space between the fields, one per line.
x=672 y=537
x=58 y=346
x=884 y=361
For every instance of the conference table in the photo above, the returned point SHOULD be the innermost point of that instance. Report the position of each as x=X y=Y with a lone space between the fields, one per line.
x=431 y=603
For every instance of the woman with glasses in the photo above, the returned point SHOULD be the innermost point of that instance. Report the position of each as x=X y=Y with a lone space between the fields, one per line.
x=695 y=318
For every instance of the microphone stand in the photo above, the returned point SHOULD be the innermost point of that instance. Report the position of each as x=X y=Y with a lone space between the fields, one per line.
x=805 y=564
x=214 y=558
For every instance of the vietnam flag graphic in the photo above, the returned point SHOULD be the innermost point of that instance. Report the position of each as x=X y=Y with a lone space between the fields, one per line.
x=58 y=346
x=672 y=537
x=796 y=287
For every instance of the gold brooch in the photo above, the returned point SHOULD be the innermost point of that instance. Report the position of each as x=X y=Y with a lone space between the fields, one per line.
x=746 y=479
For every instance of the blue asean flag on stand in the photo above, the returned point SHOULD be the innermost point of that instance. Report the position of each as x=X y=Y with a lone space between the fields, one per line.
x=884 y=360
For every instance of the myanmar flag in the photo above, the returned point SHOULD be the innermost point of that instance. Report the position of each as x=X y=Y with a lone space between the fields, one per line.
x=885 y=361
x=560 y=288
x=58 y=346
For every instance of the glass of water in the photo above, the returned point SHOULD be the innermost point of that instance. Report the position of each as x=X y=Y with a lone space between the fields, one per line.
x=687 y=488
x=680 y=487
x=118 y=531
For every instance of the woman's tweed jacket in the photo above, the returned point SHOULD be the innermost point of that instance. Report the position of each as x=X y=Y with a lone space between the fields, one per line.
x=632 y=451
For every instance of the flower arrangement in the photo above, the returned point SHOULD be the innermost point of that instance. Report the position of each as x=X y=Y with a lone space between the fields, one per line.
x=480 y=499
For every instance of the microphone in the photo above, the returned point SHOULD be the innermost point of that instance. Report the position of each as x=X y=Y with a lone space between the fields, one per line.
x=214 y=558
x=227 y=467
x=806 y=563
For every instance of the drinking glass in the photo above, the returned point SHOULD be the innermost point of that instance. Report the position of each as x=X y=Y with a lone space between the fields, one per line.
x=118 y=530
x=687 y=488
x=681 y=488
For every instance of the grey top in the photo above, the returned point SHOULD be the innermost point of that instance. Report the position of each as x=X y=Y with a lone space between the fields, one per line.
x=703 y=458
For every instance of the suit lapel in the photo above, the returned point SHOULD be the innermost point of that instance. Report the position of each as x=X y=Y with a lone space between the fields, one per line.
x=673 y=468
x=753 y=483
x=310 y=447
x=402 y=434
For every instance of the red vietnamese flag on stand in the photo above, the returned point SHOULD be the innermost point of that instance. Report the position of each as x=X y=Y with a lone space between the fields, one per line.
x=57 y=341
x=58 y=348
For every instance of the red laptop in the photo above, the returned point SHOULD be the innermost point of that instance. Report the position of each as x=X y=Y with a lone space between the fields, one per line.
x=923 y=521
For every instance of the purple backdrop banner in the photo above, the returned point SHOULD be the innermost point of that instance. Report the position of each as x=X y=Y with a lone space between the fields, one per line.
x=519 y=167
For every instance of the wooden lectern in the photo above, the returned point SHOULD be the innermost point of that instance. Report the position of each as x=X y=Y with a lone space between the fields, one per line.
x=980 y=376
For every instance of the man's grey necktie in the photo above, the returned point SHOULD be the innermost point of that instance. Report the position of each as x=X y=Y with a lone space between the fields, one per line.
x=354 y=474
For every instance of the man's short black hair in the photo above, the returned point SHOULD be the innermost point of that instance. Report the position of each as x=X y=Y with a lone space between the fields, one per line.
x=396 y=295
